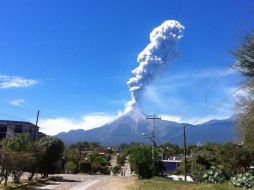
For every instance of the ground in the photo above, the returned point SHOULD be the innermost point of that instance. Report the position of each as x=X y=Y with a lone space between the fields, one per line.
x=79 y=182
x=159 y=183
x=100 y=182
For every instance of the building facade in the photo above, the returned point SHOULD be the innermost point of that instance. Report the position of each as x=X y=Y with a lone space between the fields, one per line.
x=9 y=129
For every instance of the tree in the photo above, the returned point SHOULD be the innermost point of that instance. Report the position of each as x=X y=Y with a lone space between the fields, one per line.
x=54 y=148
x=170 y=149
x=245 y=56
x=233 y=159
x=245 y=64
x=120 y=159
x=73 y=154
x=20 y=155
x=141 y=160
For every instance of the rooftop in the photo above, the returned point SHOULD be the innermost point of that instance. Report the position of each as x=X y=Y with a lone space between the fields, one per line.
x=6 y=122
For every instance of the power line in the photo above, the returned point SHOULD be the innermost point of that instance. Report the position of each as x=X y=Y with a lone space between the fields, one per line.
x=202 y=81
x=203 y=78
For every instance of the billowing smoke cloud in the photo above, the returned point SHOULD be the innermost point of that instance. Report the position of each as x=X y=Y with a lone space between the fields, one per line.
x=160 y=52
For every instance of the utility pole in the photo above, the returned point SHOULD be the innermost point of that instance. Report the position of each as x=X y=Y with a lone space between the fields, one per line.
x=37 y=129
x=153 y=117
x=184 y=142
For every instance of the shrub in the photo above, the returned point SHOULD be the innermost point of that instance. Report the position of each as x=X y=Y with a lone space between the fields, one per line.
x=71 y=167
x=84 y=166
x=97 y=168
x=121 y=159
x=245 y=180
x=104 y=170
x=159 y=167
x=214 y=175
x=140 y=157
x=101 y=161
x=196 y=171
x=116 y=169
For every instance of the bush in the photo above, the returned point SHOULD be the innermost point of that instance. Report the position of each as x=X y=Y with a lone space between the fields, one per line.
x=214 y=175
x=84 y=166
x=97 y=168
x=159 y=168
x=105 y=170
x=116 y=169
x=196 y=171
x=245 y=180
x=71 y=167
x=141 y=161
x=101 y=161
x=121 y=159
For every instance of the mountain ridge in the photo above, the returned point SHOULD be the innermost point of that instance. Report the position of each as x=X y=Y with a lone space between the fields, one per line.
x=128 y=128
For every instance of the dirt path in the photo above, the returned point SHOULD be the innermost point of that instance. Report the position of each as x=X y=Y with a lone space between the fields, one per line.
x=90 y=182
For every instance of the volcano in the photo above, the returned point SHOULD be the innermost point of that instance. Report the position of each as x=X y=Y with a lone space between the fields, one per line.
x=130 y=127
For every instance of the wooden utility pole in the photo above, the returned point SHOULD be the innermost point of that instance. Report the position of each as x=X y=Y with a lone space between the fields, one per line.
x=153 y=117
x=37 y=118
x=184 y=142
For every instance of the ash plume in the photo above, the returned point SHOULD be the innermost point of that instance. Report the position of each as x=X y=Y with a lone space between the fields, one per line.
x=160 y=52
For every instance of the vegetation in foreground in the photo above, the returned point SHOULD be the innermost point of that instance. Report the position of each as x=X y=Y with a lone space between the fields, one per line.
x=166 y=184
x=85 y=157
x=20 y=154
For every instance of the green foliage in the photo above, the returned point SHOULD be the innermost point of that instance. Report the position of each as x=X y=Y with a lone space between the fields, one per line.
x=233 y=159
x=229 y=158
x=123 y=147
x=196 y=171
x=246 y=125
x=84 y=166
x=100 y=160
x=97 y=168
x=19 y=156
x=73 y=154
x=245 y=180
x=158 y=167
x=53 y=152
x=71 y=167
x=214 y=175
x=245 y=64
x=54 y=148
x=116 y=169
x=86 y=158
x=245 y=56
x=140 y=157
x=19 y=143
x=160 y=183
x=121 y=158
x=170 y=149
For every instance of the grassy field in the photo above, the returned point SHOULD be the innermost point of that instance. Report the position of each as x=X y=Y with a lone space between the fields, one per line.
x=159 y=183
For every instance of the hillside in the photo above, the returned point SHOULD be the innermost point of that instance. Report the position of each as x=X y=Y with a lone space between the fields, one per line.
x=129 y=127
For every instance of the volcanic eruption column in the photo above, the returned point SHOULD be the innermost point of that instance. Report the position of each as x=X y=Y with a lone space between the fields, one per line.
x=160 y=52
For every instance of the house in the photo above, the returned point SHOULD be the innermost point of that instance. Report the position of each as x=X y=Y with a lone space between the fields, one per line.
x=9 y=129
x=172 y=163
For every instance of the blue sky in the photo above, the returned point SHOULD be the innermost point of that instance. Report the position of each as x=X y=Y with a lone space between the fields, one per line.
x=72 y=59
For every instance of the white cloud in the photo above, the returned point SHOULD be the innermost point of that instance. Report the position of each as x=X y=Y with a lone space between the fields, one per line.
x=171 y=118
x=15 y=82
x=90 y=121
x=17 y=102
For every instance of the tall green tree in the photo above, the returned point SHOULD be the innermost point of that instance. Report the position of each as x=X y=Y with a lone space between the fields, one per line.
x=54 y=148
x=245 y=64
x=141 y=160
